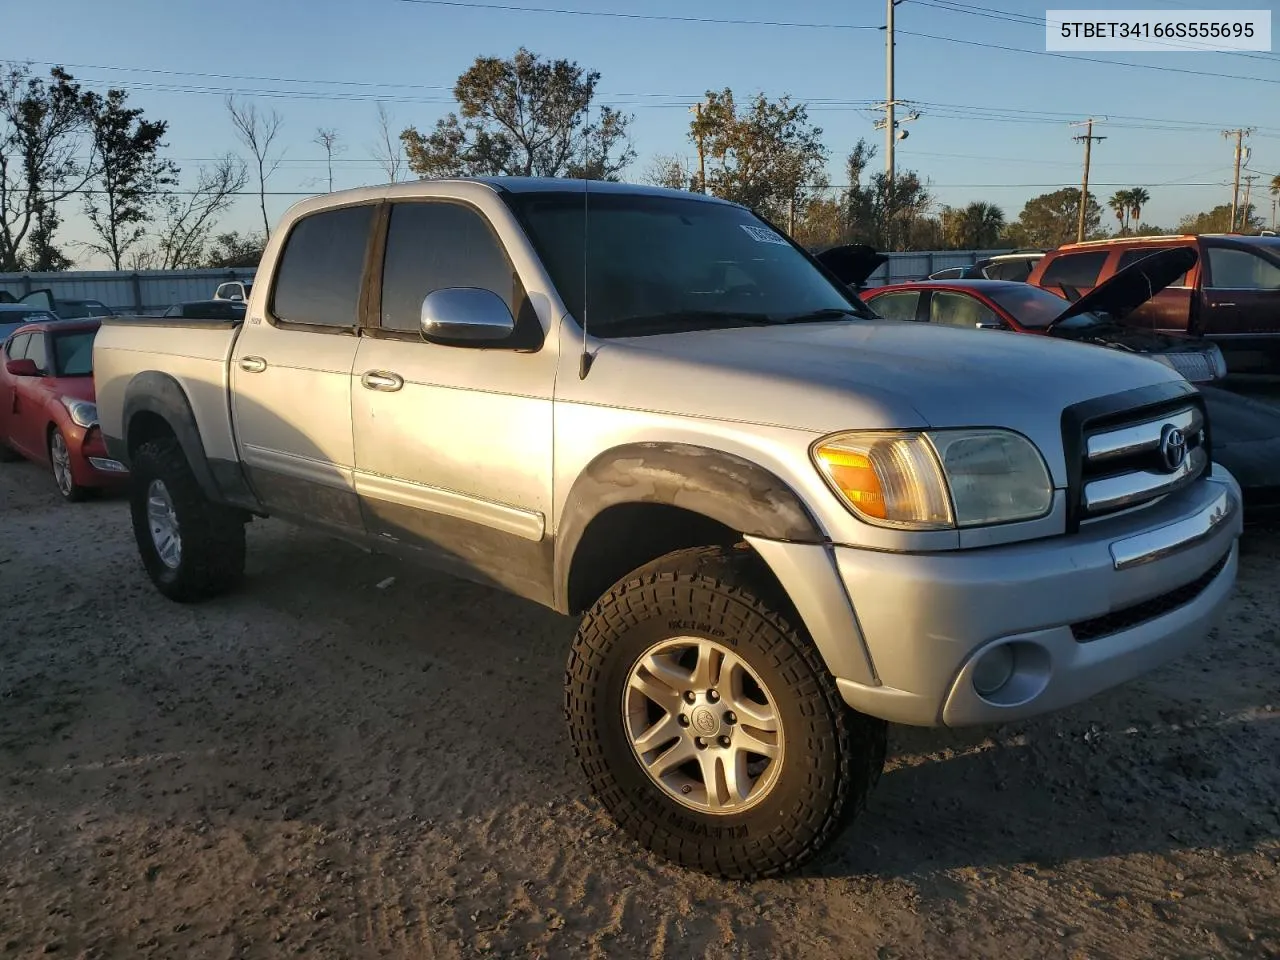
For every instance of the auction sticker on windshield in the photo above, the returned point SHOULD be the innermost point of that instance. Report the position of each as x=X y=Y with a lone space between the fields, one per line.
x=1156 y=31
x=762 y=234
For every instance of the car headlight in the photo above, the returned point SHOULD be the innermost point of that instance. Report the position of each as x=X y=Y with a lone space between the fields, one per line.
x=936 y=479
x=83 y=413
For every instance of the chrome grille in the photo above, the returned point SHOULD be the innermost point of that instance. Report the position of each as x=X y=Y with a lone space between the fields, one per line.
x=1127 y=463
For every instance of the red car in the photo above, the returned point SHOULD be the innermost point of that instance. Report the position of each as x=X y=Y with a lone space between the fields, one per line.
x=1094 y=318
x=47 y=410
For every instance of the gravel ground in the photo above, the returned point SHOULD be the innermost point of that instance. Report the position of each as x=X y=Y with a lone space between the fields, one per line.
x=328 y=765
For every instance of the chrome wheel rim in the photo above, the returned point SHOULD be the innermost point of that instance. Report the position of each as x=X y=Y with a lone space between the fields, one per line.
x=61 y=458
x=703 y=725
x=163 y=524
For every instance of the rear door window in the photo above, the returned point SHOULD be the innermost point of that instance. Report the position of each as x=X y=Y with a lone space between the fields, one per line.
x=1074 y=269
x=319 y=277
x=896 y=306
x=959 y=310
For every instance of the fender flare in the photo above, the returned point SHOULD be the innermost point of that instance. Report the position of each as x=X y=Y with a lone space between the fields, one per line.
x=161 y=394
x=721 y=486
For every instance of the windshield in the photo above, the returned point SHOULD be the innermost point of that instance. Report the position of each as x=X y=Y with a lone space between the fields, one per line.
x=664 y=264
x=1037 y=308
x=73 y=354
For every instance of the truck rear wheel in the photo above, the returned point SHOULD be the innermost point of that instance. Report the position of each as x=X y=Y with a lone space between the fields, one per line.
x=708 y=725
x=191 y=548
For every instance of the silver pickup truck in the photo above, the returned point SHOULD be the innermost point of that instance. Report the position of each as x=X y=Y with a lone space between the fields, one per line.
x=782 y=520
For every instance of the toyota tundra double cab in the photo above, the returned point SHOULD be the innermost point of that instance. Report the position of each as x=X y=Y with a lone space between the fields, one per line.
x=782 y=521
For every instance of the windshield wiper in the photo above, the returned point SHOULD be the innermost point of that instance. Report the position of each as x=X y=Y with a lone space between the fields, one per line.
x=826 y=313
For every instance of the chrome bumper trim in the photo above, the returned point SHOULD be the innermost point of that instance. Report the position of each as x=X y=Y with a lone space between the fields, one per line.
x=1157 y=544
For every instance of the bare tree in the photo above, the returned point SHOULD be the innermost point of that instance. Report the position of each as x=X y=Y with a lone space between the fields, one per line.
x=189 y=220
x=41 y=128
x=328 y=139
x=258 y=132
x=387 y=149
x=670 y=170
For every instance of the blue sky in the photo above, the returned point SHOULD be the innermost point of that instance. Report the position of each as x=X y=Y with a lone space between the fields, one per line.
x=994 y=124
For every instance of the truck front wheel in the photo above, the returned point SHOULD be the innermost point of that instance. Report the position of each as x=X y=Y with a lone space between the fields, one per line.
x=708 y=724
x=191 y=548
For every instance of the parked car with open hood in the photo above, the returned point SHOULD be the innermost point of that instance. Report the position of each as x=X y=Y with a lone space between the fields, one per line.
x=782 y=520
x=1095 y=318
x=1230 y=296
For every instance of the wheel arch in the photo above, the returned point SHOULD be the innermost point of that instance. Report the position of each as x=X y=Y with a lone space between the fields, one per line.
x=638 y=501
x=156 y=406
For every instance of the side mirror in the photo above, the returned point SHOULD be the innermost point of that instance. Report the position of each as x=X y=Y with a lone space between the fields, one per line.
x=21 y=368
x=466 y=314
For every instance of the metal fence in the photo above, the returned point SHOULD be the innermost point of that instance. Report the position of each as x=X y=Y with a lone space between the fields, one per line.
x=152 y=291
x=142 y=291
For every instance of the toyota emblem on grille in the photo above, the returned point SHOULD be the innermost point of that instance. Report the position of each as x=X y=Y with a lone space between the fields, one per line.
x=1173 y=447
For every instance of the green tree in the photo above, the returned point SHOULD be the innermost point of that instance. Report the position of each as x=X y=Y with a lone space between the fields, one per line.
x=235 y=250
x=766 y=156
x=130 y=174
x=42 y=123
x=1050 y=219
x=1120 y=204
x=1218 y=220
x=1138 y=198
x=886 y=216
x=977 y=226
x=525 y=116
x=42 y=254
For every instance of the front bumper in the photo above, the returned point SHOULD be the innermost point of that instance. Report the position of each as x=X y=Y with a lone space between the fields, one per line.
x=1081 y=613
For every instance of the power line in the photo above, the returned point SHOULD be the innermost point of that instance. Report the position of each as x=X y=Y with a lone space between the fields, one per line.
x=562 y=11
x=1023 y=19
x=468 y=4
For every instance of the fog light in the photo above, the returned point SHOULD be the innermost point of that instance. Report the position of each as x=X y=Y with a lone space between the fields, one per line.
x=993 y=669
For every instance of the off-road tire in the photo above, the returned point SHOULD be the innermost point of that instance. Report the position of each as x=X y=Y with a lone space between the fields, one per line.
x=213 y=542
x=833 y=756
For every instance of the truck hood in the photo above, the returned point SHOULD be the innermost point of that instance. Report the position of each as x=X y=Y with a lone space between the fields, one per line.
x=863 y=374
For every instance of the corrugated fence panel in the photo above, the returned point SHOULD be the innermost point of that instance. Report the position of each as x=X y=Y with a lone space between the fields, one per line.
x=146 y=291
x=152 y=291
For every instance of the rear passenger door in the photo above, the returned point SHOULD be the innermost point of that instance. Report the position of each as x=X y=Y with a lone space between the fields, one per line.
x=453 y=443
x=291 y=369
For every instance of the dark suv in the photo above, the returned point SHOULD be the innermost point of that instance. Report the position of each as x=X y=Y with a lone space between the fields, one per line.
x=1231 y=296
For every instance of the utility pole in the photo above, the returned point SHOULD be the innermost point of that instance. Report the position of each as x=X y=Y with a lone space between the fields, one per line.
x=702 y=157
x=1088 y=139
x=1244 y=210
x=1239 y=134
x=890 y=128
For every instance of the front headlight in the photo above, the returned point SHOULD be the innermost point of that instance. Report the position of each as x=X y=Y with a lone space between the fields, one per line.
x=84 y=413
x=937 y=479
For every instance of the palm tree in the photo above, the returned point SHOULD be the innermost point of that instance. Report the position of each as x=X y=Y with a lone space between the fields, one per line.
x=981 y=225
x=1138 y=198
x=1120 y=203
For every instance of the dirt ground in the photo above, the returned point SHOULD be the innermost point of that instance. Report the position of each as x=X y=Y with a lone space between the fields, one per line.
x=323 y=765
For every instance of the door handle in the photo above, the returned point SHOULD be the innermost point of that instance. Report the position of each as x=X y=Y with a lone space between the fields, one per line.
x=1224 y=304
x=382 y=380
x=252 y=364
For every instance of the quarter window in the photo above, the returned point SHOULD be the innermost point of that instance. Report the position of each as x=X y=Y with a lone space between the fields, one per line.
x=318 y=280
x=1241 y=270
x=36 y=351
x=1074 y=270
x=434 y=246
